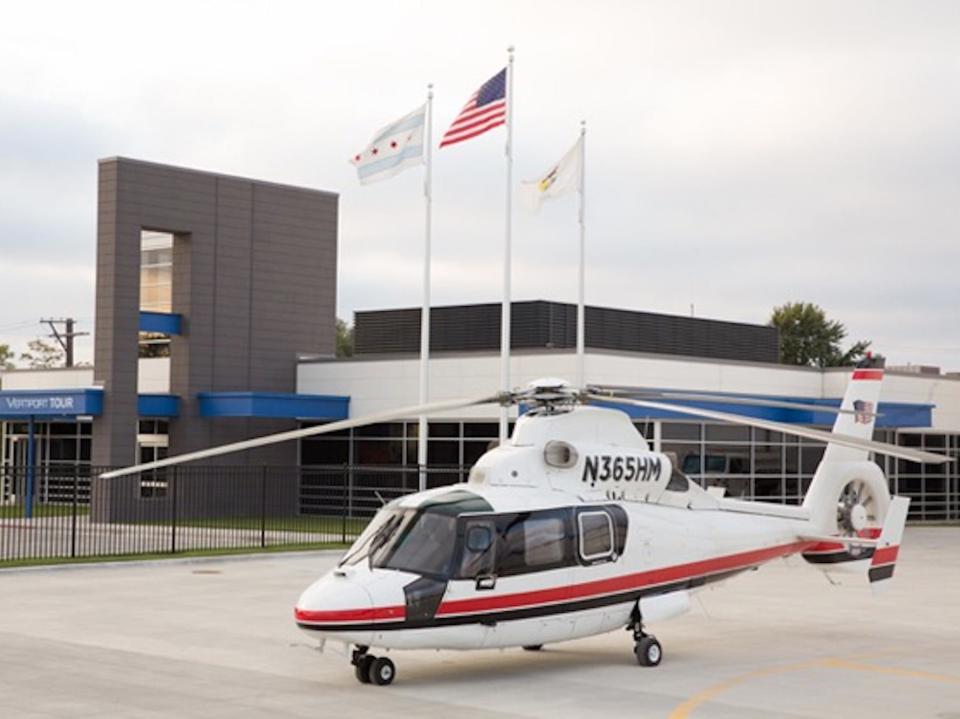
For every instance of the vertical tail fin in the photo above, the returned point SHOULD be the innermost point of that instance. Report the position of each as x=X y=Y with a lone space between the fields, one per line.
x=849 y=492
x=861 y=398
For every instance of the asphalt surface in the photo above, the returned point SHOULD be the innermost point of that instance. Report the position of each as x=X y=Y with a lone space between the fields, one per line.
x=214 y=639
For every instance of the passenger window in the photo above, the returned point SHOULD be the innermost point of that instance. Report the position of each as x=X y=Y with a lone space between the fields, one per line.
x=534 y=542
x=479 y=549
x=596 y=536
x=543 y=541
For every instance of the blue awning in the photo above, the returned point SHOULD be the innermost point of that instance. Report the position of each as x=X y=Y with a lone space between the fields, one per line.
x=158 y=405
x=166 y=323
x=889 y=414
x=273 y=405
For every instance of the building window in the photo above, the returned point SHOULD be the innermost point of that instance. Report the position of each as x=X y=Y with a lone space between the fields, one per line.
x=152 y=444
x=154 y=344
x=156 y=271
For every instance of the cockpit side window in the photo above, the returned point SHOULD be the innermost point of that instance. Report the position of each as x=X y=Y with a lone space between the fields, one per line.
x=479 y=553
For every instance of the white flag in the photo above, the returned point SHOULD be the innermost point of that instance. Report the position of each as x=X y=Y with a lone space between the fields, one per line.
x=395 y=147
x=559 y=179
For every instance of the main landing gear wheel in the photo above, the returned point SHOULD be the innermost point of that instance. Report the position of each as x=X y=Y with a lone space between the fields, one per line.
x=646 y=647
x=382 y=671
x=648 y=651
x=533 y=648
x=361 y=668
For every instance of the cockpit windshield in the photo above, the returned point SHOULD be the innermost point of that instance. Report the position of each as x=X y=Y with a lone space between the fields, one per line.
x=422 y=541
x=409 y=540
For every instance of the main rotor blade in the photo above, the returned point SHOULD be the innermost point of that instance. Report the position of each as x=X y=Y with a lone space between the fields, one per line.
x=643 y=393
x=401 y=413
x=809 y=433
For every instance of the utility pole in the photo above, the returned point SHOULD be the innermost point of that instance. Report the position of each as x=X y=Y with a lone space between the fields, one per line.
x=65 y=338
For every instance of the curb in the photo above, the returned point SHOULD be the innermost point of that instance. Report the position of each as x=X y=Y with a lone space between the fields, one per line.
x=107 y=563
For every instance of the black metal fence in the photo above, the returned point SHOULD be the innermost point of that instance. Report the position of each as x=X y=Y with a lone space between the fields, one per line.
x=70 y=512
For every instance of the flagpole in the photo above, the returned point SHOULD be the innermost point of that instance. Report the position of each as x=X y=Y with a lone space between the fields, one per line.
x=581 y=307
x=505 y=311
x=425 y=310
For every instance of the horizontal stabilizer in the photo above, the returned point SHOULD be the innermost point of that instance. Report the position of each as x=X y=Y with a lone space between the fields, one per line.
x=828 y=539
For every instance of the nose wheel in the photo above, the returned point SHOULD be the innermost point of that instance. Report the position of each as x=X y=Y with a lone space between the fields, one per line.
x=646 y=647
x=372 y=670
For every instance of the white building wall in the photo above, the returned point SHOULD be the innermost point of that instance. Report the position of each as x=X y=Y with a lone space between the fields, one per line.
x=153 y=377
x=73 y=378
x=378 y=385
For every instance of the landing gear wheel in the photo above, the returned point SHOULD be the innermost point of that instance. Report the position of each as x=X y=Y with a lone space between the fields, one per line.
x=533 y=648
x=362 y=668
x=648 y=651
x=382 y=671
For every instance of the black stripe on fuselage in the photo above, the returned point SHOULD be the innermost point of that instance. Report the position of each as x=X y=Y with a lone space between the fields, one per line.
x=506 y=615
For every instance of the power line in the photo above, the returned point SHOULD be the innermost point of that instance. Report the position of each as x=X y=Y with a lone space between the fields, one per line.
x=66 y=337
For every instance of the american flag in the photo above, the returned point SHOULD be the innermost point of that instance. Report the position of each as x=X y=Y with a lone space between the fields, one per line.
x=486 y=109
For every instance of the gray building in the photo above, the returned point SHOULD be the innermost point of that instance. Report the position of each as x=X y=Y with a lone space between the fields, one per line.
x=245 y=282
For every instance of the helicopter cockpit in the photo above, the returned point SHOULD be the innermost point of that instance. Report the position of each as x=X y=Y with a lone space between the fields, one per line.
x=463 y=538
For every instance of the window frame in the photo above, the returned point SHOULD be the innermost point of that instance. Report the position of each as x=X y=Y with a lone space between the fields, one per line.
x=610 y=554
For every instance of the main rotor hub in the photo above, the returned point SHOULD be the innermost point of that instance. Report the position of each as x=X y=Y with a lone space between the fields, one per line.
x=548 y=395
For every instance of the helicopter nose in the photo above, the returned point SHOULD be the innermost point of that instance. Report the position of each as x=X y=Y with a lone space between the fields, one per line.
x=336 y=599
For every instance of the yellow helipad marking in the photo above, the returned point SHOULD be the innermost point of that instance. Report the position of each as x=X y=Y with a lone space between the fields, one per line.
x=708 y=694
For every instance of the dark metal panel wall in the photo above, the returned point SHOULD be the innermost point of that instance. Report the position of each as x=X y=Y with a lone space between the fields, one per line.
x=552 y=325
x=254 y=277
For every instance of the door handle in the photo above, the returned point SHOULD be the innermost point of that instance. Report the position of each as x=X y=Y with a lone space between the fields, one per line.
x=487 y=581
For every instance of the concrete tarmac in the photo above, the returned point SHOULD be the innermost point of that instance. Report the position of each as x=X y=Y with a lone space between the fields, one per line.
x=211 y=639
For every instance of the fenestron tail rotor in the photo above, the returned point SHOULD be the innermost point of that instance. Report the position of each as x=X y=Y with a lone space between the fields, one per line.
x=857 y=508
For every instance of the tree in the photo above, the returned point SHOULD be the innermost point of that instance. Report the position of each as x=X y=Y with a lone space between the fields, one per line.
x=344 y=339
x=808 y=338
x=6 y=357
x=42 y=355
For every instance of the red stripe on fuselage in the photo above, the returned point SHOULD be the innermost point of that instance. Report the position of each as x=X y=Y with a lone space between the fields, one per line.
x=615 y=585
x=586 y=590
x=868 y=374
x=371 y=614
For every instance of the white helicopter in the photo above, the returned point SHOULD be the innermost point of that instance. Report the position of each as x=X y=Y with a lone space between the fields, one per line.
x=574 y=527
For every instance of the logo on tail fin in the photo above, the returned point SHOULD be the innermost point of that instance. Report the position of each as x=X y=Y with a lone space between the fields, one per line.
x=863 y=411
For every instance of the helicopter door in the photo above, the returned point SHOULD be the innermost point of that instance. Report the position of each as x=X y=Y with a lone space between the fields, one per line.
x=473 y=575
x=478 y=561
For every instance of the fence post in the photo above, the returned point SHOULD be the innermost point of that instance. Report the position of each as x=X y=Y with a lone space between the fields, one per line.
x=263 y=507
x=173 y=510
x=343 y=512
x=73 y=521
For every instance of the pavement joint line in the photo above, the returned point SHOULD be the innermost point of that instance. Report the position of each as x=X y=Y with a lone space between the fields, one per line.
x=171 y=561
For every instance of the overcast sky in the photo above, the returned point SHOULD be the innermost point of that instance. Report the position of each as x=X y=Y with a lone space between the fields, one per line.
x=740 y=154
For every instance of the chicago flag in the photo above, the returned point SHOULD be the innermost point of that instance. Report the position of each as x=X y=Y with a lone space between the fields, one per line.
x=393 y=149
